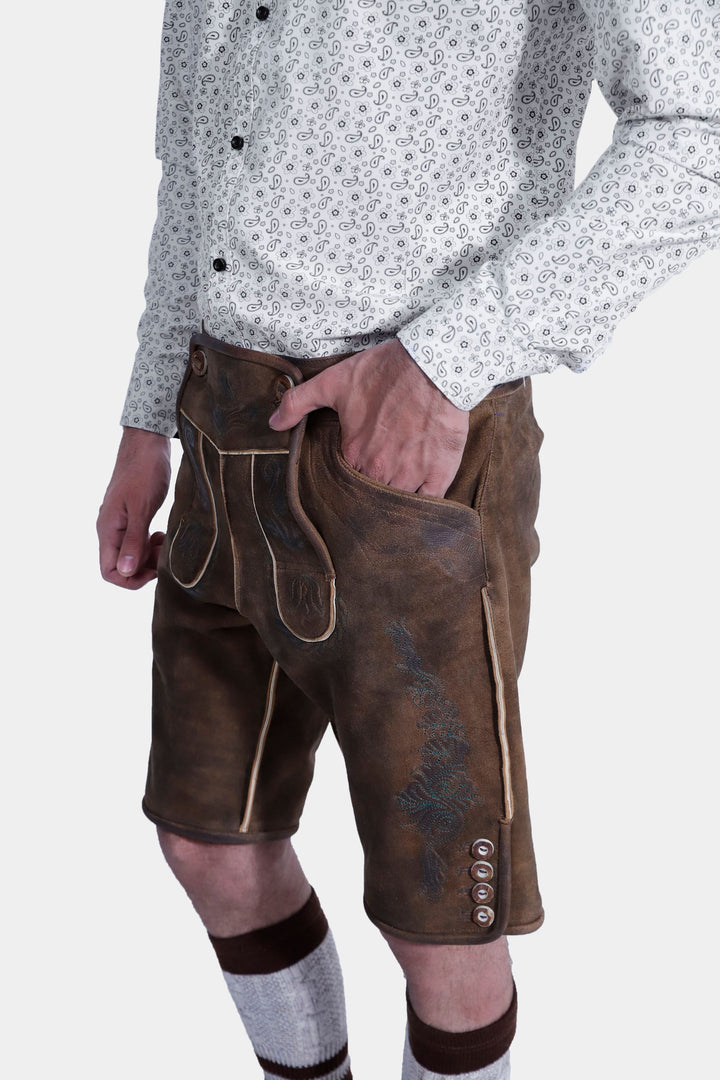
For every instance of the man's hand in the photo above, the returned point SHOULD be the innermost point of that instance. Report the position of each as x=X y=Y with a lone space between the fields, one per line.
x=397 y=427
x=137 y=488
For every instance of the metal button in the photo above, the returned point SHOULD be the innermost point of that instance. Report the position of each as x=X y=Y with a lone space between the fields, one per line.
x=262 y=12
x=481 y=871
x=281 y=384
x=237 y=142
x=199 y=362
x=482 y=893
x=219 y=264
x=483 y=916
x=483 y=849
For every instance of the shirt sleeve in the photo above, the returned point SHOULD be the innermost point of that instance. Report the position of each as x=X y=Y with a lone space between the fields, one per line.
x=649 y=206
x=171 y=311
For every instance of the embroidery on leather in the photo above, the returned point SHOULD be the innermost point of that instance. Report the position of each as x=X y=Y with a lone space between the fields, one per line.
x=440 y=791
x=305 y=594
x=192 y=450
x=277 y=520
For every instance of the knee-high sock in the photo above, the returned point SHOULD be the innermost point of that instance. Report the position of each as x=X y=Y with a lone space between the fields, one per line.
x=482 y=1054
x=287 y=985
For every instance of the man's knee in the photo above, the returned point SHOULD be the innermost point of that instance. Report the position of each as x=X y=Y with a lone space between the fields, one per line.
x=415 y=955
x=456 y=987
x=182 y=854
x=197 y=859
x=237 y=888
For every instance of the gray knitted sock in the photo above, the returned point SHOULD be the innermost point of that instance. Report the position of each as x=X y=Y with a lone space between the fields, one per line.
x=287 y=986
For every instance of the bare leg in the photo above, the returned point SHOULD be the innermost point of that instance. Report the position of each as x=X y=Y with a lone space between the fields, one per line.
x=456 y=987
x=275 y=950
x=237 y=888
x=461 y=1010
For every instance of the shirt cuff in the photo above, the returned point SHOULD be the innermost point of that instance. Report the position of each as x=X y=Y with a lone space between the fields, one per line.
x=464 y=343
x=159 y=423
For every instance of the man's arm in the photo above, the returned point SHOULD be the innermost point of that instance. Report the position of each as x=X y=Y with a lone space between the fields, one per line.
x=649 y=206
x=140 y=480
x=171 y=311
x=139 y=484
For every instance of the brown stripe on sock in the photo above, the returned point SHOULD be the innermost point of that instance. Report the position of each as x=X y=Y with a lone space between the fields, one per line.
x=307 y=1072
x=451 y=1052
x=275 y=947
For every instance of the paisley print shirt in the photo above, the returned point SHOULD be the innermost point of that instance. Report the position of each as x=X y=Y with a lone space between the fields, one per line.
x=339 y=172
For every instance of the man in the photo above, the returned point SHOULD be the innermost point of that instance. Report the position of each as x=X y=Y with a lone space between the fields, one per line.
x=367 y=243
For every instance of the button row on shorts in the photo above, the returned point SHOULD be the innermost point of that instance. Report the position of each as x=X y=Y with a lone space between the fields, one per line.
x=482 y=893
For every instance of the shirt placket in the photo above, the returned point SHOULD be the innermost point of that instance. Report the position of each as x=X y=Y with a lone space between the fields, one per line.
x=242 y=54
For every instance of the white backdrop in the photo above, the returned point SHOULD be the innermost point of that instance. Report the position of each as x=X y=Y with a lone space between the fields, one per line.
x=106 y=968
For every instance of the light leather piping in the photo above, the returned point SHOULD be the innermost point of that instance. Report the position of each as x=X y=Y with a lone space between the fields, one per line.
x=233 y=548
x=502 y=712
x=331 y=626
x=203 y=568
x=259 y=749
x=255 y=450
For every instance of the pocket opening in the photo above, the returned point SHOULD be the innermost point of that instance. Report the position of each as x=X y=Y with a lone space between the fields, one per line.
x=411 y=499
x=509 y=806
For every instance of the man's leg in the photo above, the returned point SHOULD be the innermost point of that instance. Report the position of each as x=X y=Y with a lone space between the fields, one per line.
x=237 y=888
x=461 y=1009
x=276 y=952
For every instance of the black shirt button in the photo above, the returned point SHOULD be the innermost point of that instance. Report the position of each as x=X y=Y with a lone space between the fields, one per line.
x=237 y=142
x=219 y=264
x=262 y=12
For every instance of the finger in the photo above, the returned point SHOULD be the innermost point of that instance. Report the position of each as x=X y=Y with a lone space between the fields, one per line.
x=110 y=535
x=436 y=484
x=407 y=481
x=149 y=566
x=135 y=582
x=297 y=402
x=156 y=542
x=133 y=549
x=375 y=468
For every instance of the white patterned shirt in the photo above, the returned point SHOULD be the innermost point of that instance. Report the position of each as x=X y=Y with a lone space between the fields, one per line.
x=339 y=172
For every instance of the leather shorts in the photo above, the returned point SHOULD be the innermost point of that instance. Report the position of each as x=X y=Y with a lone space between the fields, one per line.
x=295 y=592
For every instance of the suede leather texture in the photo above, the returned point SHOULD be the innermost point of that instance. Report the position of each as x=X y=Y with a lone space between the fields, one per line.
x=295 y=592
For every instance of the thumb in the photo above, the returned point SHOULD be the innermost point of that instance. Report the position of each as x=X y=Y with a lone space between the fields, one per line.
x=132 y=550
x=301 y=400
